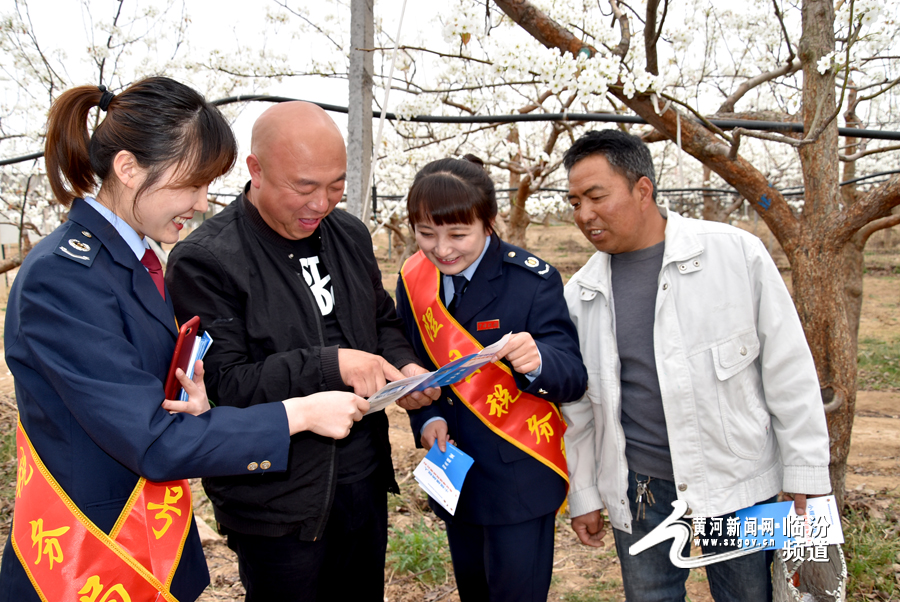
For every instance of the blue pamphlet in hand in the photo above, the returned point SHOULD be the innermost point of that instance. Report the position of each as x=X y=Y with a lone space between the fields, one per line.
x=777 y=527
x=441 y=474
x=201 y=346
x=761 y=527
x=449 y=374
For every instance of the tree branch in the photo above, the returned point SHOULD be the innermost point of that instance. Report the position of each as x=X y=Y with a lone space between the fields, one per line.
x=650 y=37
x=787 y=39
x=429 y=51
x=310 y=23
x=625 y=43
x=879 y=224
x=867 y=152
x=457 y=105
x=696 y=139
x=874 y=205
x=791 y=67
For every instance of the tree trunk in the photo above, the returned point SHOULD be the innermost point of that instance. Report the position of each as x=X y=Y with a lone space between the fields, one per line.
x=854 y=259
x=817 y=263
x=518 y=217
x=814 y=243
x=818 y=285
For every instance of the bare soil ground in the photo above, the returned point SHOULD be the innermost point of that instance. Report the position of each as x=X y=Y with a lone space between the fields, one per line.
x=580 y=574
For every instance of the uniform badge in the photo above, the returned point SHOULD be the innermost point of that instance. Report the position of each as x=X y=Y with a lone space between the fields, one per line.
x=532 y=262
x=77 y=244
x=488 y=325
x=77 y=249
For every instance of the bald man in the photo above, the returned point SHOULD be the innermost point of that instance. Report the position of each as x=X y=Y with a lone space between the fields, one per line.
x=291 y=294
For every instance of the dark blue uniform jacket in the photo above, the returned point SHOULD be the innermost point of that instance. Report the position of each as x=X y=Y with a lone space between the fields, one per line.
x=506 y=485
x=89 y=340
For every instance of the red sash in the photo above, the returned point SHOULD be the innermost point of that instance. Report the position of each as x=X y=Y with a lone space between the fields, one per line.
x=528 y=422
x=69 y=558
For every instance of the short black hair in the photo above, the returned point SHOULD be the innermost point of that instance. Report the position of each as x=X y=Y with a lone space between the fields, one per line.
x=628 y=155
x=452 y=191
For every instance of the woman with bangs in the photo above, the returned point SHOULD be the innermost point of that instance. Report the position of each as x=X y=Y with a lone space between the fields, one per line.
x=462 y=291
x=103 y=511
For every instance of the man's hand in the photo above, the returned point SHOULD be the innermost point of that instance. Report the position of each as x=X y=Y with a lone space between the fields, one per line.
x=417 y=399
x=330 y=413
x=589 y=528
x=197 y=402
x=800 y=501
x=436 y=432
x=522 y=352
x=365 y=372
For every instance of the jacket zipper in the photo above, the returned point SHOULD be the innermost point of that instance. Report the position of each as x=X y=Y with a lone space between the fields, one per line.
x=329 y=491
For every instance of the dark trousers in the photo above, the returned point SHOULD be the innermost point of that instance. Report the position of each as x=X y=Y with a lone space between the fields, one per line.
x=503 y=563
x=346 y=563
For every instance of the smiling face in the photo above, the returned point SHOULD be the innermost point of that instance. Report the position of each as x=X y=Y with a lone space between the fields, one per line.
x=613 y=216
x=162 y=210
x=298 y=167
x=295 y=191
x=451 y=247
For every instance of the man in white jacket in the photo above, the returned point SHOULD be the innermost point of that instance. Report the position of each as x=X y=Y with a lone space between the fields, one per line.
x=701 y=386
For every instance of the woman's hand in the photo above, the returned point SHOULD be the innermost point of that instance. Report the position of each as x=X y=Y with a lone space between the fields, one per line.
x=330 y=413
x=522 y=352
x=436 y=432
x=197 y=402
x=417 y=399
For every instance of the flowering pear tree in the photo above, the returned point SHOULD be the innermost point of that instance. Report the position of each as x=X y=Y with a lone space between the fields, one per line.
x=807 y=62
x=127 y=42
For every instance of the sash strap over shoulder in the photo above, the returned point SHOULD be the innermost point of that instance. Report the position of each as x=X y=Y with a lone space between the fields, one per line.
x=67 y=557
x=531 y=424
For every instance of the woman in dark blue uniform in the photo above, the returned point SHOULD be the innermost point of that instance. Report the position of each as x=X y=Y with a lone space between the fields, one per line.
x=501 y=536
x=90 y=331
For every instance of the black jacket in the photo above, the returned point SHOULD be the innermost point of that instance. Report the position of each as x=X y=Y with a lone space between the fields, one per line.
x=269 y=344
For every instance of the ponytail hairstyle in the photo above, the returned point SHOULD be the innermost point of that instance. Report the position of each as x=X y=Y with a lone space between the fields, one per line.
x=452 y=191
x=161 y=122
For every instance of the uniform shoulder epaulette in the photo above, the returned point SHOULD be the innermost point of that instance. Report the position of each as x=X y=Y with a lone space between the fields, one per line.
x=79 y=245
x=530 y=262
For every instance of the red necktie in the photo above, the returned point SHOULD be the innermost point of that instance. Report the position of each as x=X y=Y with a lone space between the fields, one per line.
x=151 y=262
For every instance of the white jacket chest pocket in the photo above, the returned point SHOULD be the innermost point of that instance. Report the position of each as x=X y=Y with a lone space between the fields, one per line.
x=740 y=395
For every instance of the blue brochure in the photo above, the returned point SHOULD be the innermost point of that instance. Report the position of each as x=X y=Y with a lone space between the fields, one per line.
x=201 y=346
x=448 y=374
x=775 y=526
x=441 y=474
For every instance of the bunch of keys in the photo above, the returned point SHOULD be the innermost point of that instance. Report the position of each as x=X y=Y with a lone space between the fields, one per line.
x=643 y=490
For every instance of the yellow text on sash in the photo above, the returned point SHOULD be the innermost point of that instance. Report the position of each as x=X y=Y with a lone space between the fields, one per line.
x=24 y=472
x=94 y=588
x=541 y=427
x=47 y=542
x=173 y=494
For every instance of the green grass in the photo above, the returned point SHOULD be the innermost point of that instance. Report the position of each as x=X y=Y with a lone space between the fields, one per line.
x=598 y=591
x=879 y=364
x=871 y=548
x=7 y=469
x=421 y=551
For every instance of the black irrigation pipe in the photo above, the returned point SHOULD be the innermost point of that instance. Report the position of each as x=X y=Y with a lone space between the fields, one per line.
x=794 y=190
x=727 y=124
x=21 y=159
x=776 y=126
x=791 y=191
